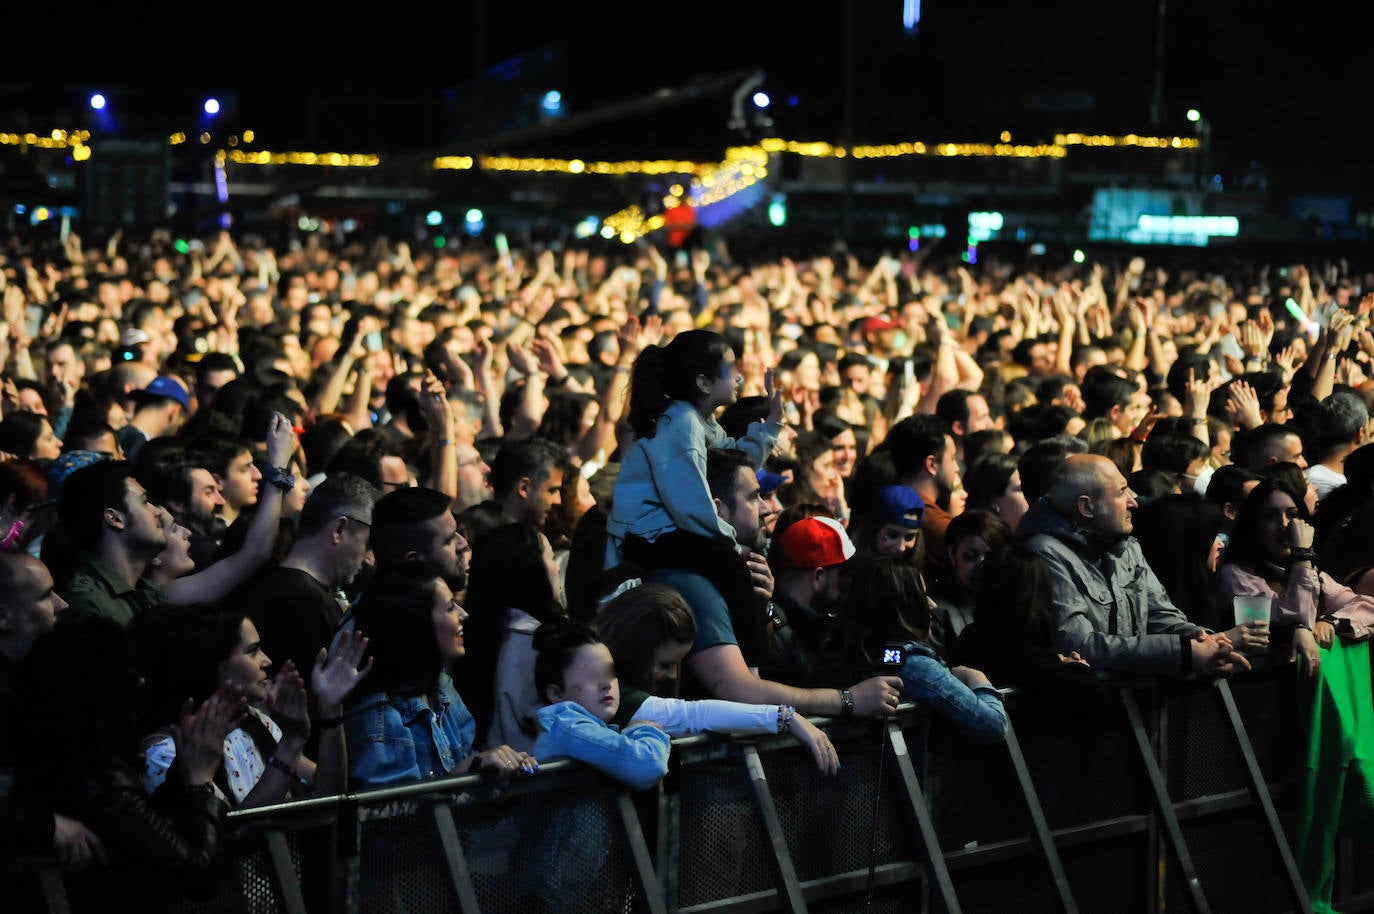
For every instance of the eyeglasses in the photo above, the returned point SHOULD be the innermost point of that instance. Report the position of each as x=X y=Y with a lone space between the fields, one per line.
x=358 y=520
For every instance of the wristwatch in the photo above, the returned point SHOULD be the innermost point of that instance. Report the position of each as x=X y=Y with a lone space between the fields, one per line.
x=846 y=703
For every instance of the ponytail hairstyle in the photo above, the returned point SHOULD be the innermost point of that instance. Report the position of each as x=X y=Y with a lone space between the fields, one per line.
x=663 y=374
x=555 y=643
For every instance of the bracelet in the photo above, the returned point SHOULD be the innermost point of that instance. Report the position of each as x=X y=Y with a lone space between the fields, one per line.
x=846 y=703
x=784 y=719
x=279 y=478
x=444 y=442
x=328 y=723
x=287 y=770
x=1302 y=555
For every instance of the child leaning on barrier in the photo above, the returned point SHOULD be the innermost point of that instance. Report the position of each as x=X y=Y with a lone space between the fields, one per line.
x=576 y=675
x=649 y=629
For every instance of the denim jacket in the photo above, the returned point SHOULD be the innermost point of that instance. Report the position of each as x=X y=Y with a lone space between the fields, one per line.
x=976 y=713
x=397 y=738
x=638 y=757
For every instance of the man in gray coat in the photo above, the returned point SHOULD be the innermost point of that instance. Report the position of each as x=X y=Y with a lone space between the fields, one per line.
x=1110 y=607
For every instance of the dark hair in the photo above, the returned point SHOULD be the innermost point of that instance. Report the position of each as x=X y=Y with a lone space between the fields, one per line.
x=980 y=523
x=722 y=471
x=1290 y=474
x=914 y=439
x=395 y=611
x=987 y=479
x=637 y=623
x=531 y=458
x=988 y=441
x=1103 y=390
x=663 y=374
x=830 y=427
x=953 y=406
x=362 y=456
x=1227 y=485
x=86 y=494
x=562 y=421
x=19 y=433
x=1244 y=547
x=1015 y=603
x=886 y=601
x=738 y=417
x=22 y=481
x=322 y=441
x=1176 y=533
x=336 y=496
x=810 y=447
x=1171 y=453
x=506 y=572
x=180 y=649
x=556 y=643
x=398 y=519
x=1037 y=464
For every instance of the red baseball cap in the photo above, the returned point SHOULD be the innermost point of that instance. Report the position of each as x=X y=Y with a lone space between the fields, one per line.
x=816 y=542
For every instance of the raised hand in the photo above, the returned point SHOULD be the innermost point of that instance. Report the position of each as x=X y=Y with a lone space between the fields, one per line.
x=337 y=674
x=199 y=736
x=281 y=440
x=288 y=703
x=774 y=394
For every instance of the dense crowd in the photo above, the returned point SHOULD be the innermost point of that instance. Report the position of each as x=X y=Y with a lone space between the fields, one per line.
x=283 y=523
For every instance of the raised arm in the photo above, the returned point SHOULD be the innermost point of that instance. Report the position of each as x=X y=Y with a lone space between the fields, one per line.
x=219 y=580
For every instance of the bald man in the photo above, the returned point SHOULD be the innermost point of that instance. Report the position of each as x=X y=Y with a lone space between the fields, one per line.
x=1110 y=607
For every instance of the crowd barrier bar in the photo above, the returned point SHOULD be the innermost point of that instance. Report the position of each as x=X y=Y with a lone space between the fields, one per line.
x=749 y=768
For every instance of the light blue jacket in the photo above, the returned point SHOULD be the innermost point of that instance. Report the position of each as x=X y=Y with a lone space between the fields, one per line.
x=637 y=757
x=662 y=481
x=397 y=738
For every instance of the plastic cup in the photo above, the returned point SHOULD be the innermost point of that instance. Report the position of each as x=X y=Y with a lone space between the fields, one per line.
x=1252 y=609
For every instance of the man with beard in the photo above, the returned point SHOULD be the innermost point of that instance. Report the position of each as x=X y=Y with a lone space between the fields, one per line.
x=925 y=459
x=729 y=644
x=811 y=559
x=1110 y=607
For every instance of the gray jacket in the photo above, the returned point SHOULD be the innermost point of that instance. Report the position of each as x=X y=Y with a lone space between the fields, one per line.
x=1109 y=605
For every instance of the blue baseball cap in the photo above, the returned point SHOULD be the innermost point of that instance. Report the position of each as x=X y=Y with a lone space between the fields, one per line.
x=899 y=505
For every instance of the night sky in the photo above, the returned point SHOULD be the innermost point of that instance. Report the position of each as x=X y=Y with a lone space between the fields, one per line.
x=1276 y=90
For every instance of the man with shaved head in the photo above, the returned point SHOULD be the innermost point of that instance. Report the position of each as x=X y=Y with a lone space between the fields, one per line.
x=1110 y=607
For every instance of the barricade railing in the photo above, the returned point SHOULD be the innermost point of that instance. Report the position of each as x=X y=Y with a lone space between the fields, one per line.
x=1181 y=799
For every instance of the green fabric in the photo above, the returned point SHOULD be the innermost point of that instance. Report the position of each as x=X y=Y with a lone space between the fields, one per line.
x=1338 y=779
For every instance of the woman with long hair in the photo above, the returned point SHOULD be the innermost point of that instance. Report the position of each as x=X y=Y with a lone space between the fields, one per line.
x=189 y=651
x=971 y=539
x=512 y=590
x=1270 y=559
x=1180 y=536
x=993 y=483
x=886 y=609
x=406 y=721
x=1012 y=636
x=818 y=481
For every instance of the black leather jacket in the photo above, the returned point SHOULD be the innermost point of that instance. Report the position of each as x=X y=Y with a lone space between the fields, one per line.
x=160 y=847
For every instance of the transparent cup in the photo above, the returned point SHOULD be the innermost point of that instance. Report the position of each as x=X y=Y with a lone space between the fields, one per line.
x=1252 y=609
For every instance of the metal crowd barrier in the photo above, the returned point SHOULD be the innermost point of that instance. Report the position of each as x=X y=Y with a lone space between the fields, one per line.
x=1180 y=799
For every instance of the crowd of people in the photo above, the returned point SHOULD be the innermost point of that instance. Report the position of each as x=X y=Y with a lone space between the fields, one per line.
x=345 y=514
